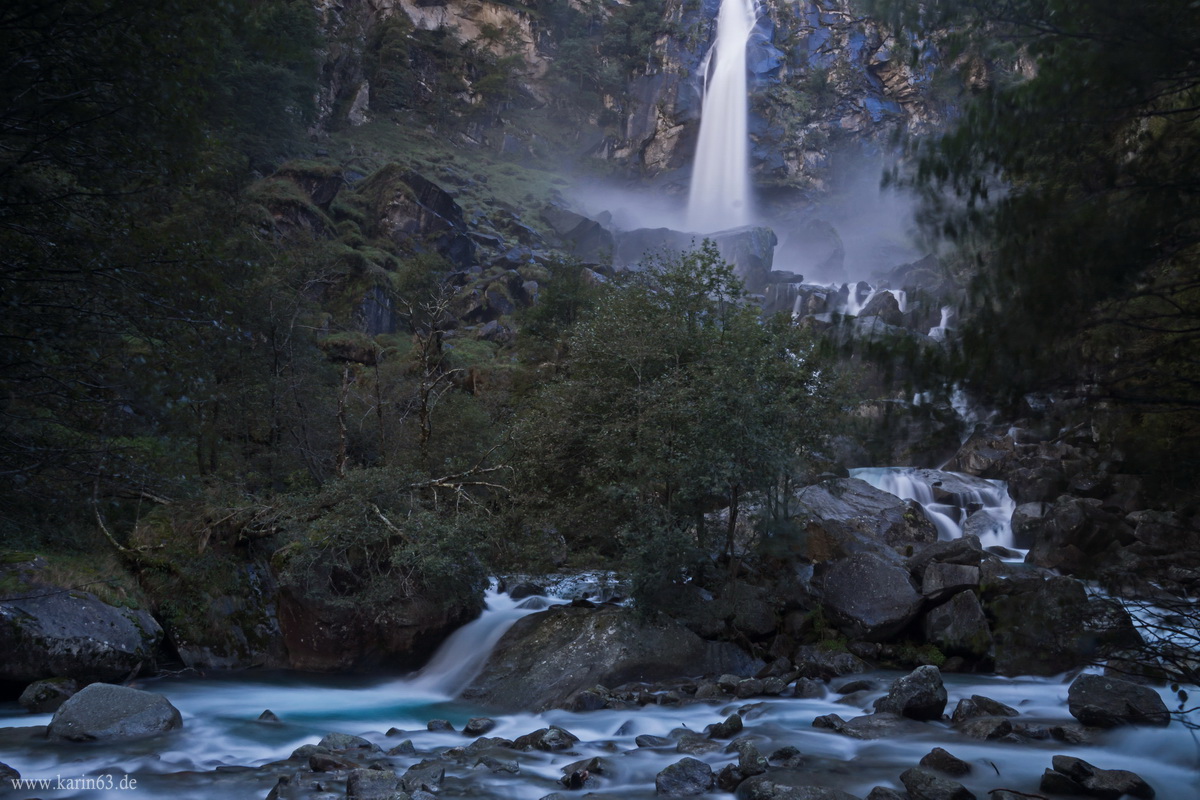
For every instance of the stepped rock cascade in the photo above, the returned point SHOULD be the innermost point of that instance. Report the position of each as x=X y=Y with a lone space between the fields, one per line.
x=720 y=192
x=956 y=504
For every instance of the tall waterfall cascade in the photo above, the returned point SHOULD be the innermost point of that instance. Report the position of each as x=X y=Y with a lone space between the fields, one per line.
x=720 y=195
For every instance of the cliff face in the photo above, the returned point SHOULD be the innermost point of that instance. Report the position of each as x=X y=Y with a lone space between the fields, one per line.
x=824 y=79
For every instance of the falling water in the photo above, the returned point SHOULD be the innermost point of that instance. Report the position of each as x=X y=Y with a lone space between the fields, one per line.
x=720 y=193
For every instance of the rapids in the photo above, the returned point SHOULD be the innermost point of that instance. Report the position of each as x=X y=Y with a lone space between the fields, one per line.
x=224 y=751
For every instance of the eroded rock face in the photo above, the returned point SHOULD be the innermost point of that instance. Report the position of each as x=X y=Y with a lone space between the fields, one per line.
x=545 y=658
x=103 y=711
x=53 y=632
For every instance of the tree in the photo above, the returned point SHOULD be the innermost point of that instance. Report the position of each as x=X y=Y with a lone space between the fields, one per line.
x=675 y=401
x=1068 y=187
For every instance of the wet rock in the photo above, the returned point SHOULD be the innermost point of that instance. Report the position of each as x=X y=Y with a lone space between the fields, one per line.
x=685 y=778
x=1044 y=627
x=1108 y=702
x=730 y=727
x=588 y=240
x=867 y=596
x=1071 y=733
x=1075 y=776
x=650 y=740
x=779 y=787
x=850 y=516
x=405 y=748
x=884 y=793
x=337 y=742
x=880 y=725
x=478 y=726
x=330 y=762
x=371 y=784
x=941 y=580
x=924 y=784
x=306 y=751
x=808 y=688
x=103 y=711
x=694 y=744
x=773 y=687
x=959 y=627
x=750 y=687
x=549 y=739
x=942 y=761
x=985 y=728
x=855 y=686
x=919 y=695
x=439 y=726
x=424 y=776
x=884 y=306
x=8 y=774
x=546 y=657
x=45 y=696
x=268 y=716
x=964 y=551
x=72 y=634
x=979 y=706
x=1078 y=535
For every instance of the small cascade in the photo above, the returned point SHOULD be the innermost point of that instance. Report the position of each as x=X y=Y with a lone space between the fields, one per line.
x=720 y=192
x=858 y=300
x=956 y=504
x=938 y=332
x=462 y=656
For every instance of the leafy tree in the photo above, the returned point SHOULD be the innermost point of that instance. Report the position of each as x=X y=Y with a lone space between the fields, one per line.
x=1068 y=187
x=675 y=401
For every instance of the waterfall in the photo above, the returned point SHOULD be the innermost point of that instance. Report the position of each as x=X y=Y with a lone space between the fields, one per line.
x=462 y=656
x=955 y=503
x=720 y=193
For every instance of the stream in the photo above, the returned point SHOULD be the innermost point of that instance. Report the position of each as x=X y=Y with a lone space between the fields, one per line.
x=223 y=749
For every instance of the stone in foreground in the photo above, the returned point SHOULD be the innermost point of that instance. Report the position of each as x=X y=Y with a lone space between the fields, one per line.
x=103 y=711
x=1107 y=702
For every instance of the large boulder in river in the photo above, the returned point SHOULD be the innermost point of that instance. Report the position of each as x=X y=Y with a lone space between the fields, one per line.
x=1108 y=702
x=546 y=658
x=848 y=516
x=920 y=695
x=959 y=627
x=51 y=632
x=867 y=596
x=103 y=711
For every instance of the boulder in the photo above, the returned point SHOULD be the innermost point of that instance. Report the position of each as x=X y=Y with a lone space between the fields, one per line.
x=751 y=251
x=867 y=596
x=587 y=239
x=941 y=580
x=979 y=706
x=925 y=784
x=946 y=763
x=1044 y=627
x=549 y=739
x=685 y=778
x=848 y=516
x=547 y=657
x=43 y=697
x=50 y=632
x=1078 y=535
x=1108 y=702
x=817 y=662
x=959 y=627
x=919 y=695
x=1075 y=776
x=372 y=784
x=880 y=725
x=103 y=711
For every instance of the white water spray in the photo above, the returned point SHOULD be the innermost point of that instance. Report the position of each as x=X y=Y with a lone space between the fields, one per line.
x=720 y=193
